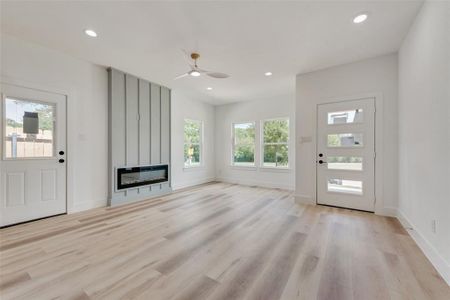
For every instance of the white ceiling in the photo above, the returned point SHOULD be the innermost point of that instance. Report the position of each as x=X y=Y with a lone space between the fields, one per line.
x=242 y=38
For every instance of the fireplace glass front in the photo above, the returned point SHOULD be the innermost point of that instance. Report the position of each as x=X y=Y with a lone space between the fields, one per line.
x=139 y=176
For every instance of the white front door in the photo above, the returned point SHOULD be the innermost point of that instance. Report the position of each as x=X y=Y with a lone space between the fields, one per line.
x=346 y=154
x=33 y=146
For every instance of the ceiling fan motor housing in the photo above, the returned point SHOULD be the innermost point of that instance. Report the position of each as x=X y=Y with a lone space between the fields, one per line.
x=195 y=56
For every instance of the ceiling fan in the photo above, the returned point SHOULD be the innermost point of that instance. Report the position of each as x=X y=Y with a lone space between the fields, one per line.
x=196 y=71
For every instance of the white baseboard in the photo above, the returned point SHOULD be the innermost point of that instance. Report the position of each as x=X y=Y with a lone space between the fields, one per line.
x=430 y=252
x=190 y=183
x=256 y=183
x=86 y=205
x=304 y=199
x=387 y=212
x=82 y=206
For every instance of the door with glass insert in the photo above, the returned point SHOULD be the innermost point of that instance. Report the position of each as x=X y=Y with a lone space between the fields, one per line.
x=33 y=154
x=346 y=154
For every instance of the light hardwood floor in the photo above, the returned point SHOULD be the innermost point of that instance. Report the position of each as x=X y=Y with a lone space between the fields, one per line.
x=216 y=241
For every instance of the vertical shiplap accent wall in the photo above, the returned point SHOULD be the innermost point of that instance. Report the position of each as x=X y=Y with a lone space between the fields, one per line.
x=139 y=131
x=144 y=113
x=155 y=120
x=132 y=120
x=165 y=125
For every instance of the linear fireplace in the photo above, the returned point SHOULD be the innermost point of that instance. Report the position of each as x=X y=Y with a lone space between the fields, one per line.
x=140 y=176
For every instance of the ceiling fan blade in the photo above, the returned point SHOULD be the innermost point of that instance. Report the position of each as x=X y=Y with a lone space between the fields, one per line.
x=181 y=76
x=195 y=68
x=217 y=75
x=200 y=70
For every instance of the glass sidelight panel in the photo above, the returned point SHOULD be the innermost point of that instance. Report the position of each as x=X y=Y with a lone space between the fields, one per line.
x=345 y=117
x=345 y=186
x=345 y=140
x=353 y=163
x=29 y=129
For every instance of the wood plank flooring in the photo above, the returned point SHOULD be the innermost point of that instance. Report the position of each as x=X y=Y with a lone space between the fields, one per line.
x=216 y=241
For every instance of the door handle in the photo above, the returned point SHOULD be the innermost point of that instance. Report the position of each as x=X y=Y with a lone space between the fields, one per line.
x=61 y=161
x=322 y=162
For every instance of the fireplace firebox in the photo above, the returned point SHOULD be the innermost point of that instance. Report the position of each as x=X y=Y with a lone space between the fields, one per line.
x=140 y=176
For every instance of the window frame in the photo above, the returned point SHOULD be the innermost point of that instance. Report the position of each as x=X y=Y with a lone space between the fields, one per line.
x=233 y=145
x=263 y=144
x=200 y=143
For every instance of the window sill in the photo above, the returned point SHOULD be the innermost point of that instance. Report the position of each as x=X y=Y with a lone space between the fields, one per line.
x=193 y=168
x=262 y=169
x=275 y=169
x=244 y=168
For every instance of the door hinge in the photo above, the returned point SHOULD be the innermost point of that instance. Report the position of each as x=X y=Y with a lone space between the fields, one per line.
x=138 y=117
x=374 y=155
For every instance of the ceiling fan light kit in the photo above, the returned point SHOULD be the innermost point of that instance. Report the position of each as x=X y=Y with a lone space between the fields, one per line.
x=194 y=73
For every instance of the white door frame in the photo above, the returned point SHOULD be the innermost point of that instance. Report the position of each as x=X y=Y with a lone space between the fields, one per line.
x=378 y=96
x=70 y=130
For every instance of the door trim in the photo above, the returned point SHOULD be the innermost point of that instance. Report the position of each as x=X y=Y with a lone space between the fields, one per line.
x=70 y=95
x=378 y=179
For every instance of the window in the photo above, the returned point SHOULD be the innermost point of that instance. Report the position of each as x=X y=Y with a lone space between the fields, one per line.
x=275 y=143
x=29 y=129
x=244 y=144
x=193 y=142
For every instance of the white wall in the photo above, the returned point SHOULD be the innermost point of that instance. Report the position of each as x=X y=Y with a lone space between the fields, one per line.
x=424 y=132
x=372 y=76
x=282 y=106
x=86 y=85
x=184 y=108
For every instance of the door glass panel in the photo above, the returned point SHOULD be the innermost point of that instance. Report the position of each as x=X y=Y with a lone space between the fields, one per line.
x=345 y=140
x=353 y=163
x=345 y=117
x=29 y=129
x=345 y=186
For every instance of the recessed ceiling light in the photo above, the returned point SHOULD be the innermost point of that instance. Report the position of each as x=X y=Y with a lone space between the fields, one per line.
x=268 y=73
x=90 y=33
x=209 y=88
x=360 y=18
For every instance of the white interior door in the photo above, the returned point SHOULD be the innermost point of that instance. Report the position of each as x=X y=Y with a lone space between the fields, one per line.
x=33 y=146
x=346 y=154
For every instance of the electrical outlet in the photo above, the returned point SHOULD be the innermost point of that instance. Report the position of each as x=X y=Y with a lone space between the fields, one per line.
x=433 y=226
